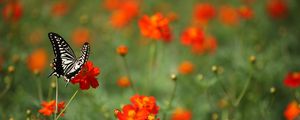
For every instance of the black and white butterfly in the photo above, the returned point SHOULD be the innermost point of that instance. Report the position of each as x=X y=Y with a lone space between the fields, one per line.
x=65 y=63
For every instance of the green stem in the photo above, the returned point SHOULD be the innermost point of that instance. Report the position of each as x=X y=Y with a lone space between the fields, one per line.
x=224 y=89
x=128 y=74
x=240 y=97
x=39 y=87
x=50 y=91
x=152 y=52
x=243 y=92
x=56 y=97
x=73 y=96
x=170 y=101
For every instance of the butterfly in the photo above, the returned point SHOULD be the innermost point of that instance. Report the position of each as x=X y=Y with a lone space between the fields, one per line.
x=65 y=63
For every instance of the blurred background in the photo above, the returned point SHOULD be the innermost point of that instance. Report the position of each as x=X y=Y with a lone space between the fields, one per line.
x=230 y=58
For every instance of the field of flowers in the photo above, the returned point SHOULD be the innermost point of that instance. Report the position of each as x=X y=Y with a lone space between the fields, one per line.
x=152 y=60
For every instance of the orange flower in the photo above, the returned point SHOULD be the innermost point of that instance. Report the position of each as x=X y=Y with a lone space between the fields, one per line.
x=80 y=36
x=192 y=36
x=123 y=82
x=228 y=15
x=37 y=60
x=122 y=50
x=125 y=13
x=12 y=11
x=204 y=12
x=59 y=9
x=209 y=45
x=186 y=67
x=292 y=111
x=277 y=9
x=112 y=4
x=181 y=114
x=49 y=107
x=155 y=27
x=142 y=108
x=246 y=13
x=145 y=102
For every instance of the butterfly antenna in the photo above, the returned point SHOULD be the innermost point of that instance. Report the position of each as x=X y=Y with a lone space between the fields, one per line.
x=51 y=74
x=67 y=84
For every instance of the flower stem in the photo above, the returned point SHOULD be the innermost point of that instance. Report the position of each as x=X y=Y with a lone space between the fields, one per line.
x=170 y=101
x=56 y=97
x=152 y=62
x=240 y=97
x=73 y=96
x=128 y=74
x=39 y=88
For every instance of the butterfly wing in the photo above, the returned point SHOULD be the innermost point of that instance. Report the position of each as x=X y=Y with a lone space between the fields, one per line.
x=76 y=67
x=64 y=55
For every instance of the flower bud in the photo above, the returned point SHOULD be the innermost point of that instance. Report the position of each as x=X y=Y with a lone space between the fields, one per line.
x=252 y=59
x=214 y=69
x=122 y=50
x=11 y=69
x=174 y=77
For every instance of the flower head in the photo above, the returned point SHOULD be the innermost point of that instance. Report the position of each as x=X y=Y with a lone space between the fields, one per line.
x=123 y=82
x=209 y=45
x=49 y=107
x=186 y=67
x=87 y=76
x=37 y=60
x=246 y=13
x=122 y=50
x=277 y=9
x=181 y=114
x=12 y=11
x=59 y=9
x=292 y=111
x=204 y=12
x=142 y=108
x=292 y=80
x=192 y=36
x=155 y=27
x=126 y=11
x=80 y=36
x=228 y=15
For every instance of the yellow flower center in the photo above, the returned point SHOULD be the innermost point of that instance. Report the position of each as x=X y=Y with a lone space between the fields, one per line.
x=131 y=113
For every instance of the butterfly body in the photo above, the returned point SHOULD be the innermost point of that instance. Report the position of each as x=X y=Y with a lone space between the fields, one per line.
x=65 y=63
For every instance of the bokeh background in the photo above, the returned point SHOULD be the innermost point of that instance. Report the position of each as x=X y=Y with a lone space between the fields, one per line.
x=253 y=45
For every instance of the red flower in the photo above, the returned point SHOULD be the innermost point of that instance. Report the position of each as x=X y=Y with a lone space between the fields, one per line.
x=246 y=12
x=86 y=76
x=49 y=107
x=204 y=12
x=12 y=11
x=277 y=8
x=209 y=45
x=181 y=114
x=142 y=108
x=192 y=36
x=292 y=80
x=292 y=111
x=155 y=27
